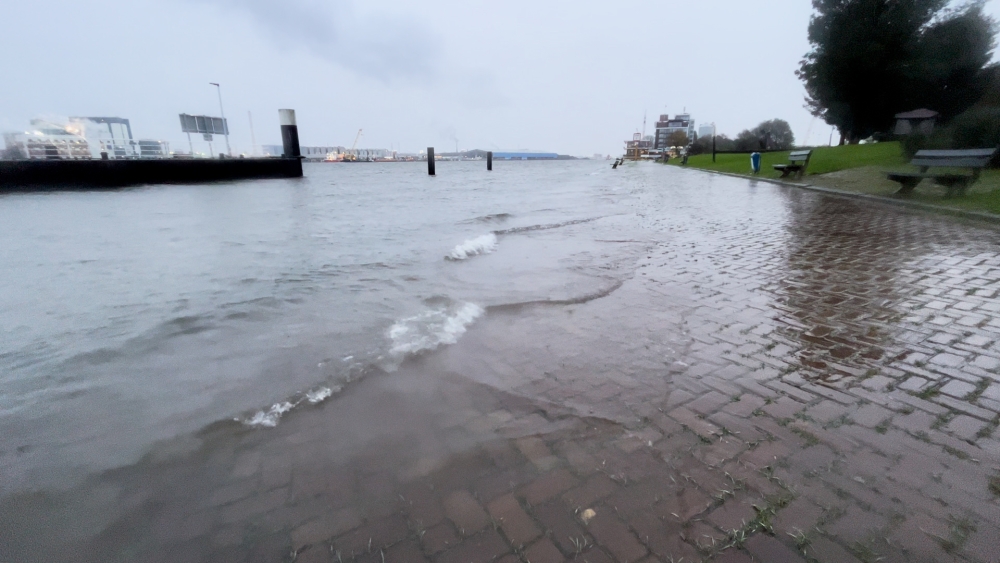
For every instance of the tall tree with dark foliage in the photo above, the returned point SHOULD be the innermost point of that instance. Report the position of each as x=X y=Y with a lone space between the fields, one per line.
x=871 y=59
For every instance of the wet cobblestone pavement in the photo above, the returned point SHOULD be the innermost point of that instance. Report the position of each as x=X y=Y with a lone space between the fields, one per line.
x=800 y=378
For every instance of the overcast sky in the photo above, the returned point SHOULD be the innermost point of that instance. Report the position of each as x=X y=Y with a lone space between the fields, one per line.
x=571 y=77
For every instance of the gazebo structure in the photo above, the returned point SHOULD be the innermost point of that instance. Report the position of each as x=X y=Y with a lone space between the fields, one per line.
x=916 y=121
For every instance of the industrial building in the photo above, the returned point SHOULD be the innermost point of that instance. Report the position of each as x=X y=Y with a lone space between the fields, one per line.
x=320 y=153
x=525 y=155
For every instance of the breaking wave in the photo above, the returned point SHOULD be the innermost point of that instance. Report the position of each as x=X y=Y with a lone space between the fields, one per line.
x=442 y=324
x=473 y=247
x=544 y=227
x=492 y=218
x=425 y=332
x=269 y=418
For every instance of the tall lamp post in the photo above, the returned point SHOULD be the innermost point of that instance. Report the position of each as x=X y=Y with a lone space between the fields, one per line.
x=225 y=125
x=713 y=141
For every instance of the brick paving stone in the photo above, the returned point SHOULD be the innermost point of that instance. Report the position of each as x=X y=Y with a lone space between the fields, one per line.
x=595 y=488
x=439 y=538
x=992 y=392
x=825 y=551
x=733 y=514
x=801 y=515
x=783 y=407
x=543 y=551
x=318 y=554
x=561 y=525
x=702 y=428
x=465 y=512
x=709 y=403
x=684 y=505
x=982 y=545
x=745 y=406
x=404 y=552
x=548 y=486
x=634 y=497
x=914 y=384
x=614 y=536
x=871 y=416
x=375 y=534
x=594 y=555
x=515 y=523
x=732 y=556
x=663 y=539
x=965 y=427
x=856 y=525
x=479 y=548
x=948 y=360
x=958 y=389
x=766 y=548
x=325 y=527
x=537 y=452
x=422 y=504
x=827 y=411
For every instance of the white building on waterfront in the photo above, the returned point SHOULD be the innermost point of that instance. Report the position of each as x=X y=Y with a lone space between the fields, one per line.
x=666 y=127
x=77 y=138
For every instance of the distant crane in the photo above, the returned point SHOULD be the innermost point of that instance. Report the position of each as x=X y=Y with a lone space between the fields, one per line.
x=351 y=156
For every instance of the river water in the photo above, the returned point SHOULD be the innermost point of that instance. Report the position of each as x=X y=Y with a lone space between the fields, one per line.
x=136 y=316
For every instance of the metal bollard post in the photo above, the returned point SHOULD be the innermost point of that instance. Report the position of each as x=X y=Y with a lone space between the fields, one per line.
x=289 y=133
x=489 y=160
x=430 y=161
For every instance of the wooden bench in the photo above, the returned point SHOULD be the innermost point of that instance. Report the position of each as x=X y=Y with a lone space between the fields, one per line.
x=973 y=160
x=798 y=161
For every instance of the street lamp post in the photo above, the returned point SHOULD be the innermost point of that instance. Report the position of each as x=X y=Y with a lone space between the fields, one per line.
x=713 y=141
x=225 y=125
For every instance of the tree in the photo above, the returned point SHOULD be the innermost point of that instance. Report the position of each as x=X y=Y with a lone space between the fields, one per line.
x=775 y=134
x=747 y=141
x=677 y=139
x=778 y=133
x=871 y=59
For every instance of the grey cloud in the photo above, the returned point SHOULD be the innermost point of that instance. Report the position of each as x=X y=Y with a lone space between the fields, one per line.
x=384 y=47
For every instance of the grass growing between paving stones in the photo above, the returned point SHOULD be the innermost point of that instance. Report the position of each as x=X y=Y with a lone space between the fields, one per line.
x=762 y=522
x=994 y=485
x=959 y=530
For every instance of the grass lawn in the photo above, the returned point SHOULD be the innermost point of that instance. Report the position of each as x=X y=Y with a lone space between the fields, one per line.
x=822 y=161
x=860 y=168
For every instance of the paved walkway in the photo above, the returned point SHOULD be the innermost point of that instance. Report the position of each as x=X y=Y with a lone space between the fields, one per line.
x=801 y=378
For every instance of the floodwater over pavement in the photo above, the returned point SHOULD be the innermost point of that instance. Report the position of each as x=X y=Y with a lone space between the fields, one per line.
x=650 y=364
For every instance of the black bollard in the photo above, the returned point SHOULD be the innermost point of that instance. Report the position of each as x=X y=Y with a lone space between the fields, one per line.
x=430 y=161
x=615 y=165
x=489 y=160
x=289 y=133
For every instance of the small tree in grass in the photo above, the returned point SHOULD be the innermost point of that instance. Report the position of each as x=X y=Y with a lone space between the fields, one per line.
x=677 y=139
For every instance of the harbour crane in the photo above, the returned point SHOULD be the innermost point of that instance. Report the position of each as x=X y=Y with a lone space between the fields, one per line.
x=351 y=156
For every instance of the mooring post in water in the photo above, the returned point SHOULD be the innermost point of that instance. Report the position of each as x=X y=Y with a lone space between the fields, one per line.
x=489 y=160
x=289 y=133
x=430 y=161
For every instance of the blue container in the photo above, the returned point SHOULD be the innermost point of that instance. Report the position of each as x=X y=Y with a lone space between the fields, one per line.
x=755 y=162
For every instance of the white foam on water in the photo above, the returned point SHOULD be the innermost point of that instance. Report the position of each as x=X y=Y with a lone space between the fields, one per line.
x=269 y=418
x=484 y=244
x=319 y=395
x=431 y=329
